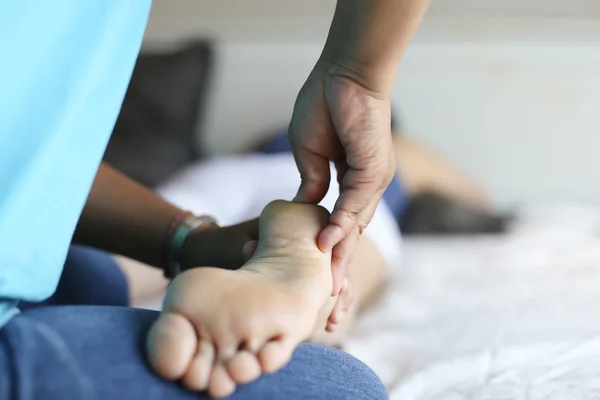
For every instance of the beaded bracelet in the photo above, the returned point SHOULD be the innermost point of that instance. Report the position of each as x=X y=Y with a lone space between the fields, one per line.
x=180 y=228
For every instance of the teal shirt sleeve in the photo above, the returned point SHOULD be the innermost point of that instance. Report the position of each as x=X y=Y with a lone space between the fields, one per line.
x=65 y=68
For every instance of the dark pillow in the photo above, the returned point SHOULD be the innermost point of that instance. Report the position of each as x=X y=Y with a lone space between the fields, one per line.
x=155 y=134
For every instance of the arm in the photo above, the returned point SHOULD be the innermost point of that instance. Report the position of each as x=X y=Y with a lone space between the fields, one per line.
x=370 y=36
x=125 y=218
x=342 y=115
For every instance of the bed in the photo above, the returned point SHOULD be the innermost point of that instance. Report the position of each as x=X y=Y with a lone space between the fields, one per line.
x=505 y=317
x=509 y=317
x=482 y=318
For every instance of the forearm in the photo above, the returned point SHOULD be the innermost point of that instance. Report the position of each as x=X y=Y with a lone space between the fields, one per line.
x=123 y=217
x=370 y=36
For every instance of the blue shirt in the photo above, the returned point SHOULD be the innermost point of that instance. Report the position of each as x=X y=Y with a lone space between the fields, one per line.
x=65 y=66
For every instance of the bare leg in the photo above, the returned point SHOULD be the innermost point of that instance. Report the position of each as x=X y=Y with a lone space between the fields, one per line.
x=146 y=284
x=422 y=170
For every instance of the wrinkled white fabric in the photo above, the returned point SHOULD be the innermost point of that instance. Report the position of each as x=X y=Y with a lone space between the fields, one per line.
x=513 y=317
x=496 y=318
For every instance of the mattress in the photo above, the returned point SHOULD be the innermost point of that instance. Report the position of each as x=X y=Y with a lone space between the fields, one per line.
x=509 y=317
x=498 y=317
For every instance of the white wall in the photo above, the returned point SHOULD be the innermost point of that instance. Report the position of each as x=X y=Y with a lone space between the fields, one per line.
x=513 y=101
x=521 y=118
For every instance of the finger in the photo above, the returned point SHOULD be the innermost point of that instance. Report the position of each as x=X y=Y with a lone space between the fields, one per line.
x=349 y=214
x=348 y=208
x=343 y=252
x=240 y=242
x=249 y=249
x=225 y=247
x=340 y=259
x=315 y=175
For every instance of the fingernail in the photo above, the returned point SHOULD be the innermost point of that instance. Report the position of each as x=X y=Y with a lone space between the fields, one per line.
x=335 y=235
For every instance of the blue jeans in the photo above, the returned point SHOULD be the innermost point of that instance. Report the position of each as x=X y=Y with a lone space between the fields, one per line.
x=89 y=277
x=97 y=352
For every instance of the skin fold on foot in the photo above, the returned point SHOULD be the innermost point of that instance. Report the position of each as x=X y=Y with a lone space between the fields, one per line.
x=221 y=328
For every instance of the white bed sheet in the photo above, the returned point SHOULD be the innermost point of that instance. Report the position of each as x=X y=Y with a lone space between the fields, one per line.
x=484 y=318
x=511 y=317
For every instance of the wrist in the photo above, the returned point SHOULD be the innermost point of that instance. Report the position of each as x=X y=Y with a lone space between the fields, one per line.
x=377 y=80
x=369 y=37
x=196 y=251
x=181 y=229
x=349 y=48
x=219 y=247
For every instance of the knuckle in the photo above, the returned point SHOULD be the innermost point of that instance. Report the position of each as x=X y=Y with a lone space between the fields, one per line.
x=345 y=219
x=352 y=215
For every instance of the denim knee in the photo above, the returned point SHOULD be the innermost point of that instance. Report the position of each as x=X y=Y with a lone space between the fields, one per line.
x=91 y=277
x=317 y=372
x=349 y=377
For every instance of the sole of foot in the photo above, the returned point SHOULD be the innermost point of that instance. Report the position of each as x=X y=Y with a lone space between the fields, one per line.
x=222 y=328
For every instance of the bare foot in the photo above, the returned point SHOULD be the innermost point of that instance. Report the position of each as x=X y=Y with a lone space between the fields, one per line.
x=221 y=328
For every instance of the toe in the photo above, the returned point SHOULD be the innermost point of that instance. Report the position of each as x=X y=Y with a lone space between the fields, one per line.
x=171 y=344
x=220 y=383
x=226 y=344
x=331 y=327
x=255 y=343
x=342 y=304
x=198 y=374
x=337 y=316
x=244 y=367
x=275 y=355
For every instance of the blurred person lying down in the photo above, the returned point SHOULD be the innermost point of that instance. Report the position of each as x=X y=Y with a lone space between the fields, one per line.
x=427 y=195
